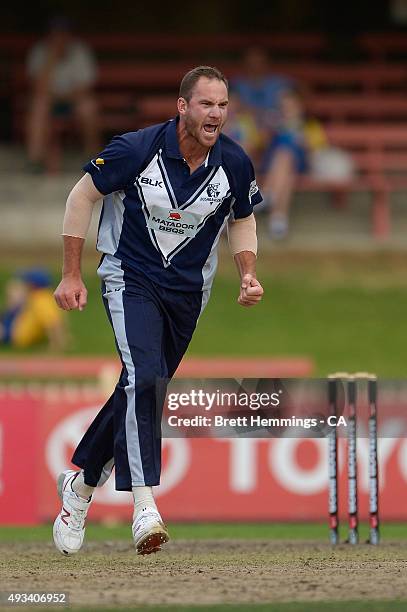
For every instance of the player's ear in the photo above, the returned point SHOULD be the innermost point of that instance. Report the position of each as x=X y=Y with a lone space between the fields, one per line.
x=182 y=106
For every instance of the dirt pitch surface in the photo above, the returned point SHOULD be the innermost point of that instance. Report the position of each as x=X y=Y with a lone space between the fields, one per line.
x=208 y=572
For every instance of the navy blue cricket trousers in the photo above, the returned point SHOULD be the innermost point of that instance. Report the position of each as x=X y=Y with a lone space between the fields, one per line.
x=153 y=327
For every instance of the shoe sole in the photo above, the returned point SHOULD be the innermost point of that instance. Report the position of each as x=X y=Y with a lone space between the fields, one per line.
x=152 y=542
x=56 y=542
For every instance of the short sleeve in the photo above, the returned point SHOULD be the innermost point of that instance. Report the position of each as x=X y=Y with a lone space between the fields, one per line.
x=247 y=192
x=118 y=164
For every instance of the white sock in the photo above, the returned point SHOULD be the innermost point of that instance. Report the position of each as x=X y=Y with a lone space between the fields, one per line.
x=143 y=498
x=80 y=488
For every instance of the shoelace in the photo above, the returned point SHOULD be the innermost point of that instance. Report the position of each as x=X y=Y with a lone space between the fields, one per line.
x=77 y=518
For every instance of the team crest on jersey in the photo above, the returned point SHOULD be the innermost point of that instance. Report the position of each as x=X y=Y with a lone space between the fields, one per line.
x=213 y=190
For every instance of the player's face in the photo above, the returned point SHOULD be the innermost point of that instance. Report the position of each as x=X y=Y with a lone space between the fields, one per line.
x=205 y=113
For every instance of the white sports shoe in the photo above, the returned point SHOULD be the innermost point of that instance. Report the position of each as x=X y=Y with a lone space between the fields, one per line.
x=69 y=526
x=149 y=531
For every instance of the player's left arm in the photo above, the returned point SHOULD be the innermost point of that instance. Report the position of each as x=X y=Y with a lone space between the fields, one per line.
x=242 y=227
x=243 y=245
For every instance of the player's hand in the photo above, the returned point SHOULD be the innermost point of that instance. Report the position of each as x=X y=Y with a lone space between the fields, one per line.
x=71 y=293
x=251 y=291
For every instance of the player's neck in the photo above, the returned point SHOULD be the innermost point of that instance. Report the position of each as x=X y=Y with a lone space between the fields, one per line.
x=191 y=150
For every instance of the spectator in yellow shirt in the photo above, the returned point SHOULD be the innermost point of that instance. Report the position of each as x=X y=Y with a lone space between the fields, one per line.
x=31 y=316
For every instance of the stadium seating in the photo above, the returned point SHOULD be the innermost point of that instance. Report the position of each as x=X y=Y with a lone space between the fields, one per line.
x=380 y=153
x=383 y=46
x=362 y=105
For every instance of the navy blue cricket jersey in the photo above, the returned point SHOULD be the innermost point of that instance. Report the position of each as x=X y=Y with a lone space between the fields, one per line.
x=157 y=217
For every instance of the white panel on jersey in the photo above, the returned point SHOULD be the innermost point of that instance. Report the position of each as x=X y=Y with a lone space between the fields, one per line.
x=156 y=191
x=112 y=222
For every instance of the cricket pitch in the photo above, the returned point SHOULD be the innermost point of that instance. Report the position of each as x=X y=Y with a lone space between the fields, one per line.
x=109 y=573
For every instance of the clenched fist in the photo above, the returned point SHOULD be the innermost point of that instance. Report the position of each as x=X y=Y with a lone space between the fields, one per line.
x=71 y=293
x=251 y=291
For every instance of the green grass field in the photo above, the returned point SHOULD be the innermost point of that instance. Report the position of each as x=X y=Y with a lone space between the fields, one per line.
x=347 y=312
x=208 y=531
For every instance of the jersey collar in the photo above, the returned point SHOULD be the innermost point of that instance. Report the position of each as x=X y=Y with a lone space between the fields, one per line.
x=214 y=157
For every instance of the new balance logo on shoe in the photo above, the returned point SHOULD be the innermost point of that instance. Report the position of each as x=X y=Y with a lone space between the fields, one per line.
x=65 y=516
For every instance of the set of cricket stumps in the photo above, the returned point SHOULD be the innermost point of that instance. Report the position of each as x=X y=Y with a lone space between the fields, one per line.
x=352 y=384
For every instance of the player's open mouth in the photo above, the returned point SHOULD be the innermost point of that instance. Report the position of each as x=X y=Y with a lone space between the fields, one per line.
x=210 y=128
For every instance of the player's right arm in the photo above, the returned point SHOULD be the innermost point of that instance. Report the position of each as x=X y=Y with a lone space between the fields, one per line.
x=71 y=292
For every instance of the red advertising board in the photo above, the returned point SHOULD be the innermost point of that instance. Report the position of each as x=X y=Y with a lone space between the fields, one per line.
x=20 y=456
x=202 y=479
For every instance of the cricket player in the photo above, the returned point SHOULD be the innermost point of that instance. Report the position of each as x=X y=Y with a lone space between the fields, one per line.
x=168 y=191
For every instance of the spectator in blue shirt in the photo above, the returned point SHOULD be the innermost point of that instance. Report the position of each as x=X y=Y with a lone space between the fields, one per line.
x=259 y=89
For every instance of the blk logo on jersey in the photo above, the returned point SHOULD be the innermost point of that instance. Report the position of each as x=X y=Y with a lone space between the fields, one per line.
x=151 y=182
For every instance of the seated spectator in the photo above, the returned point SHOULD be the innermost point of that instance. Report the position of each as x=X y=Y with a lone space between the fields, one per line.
x=31 y=315
x=259 y=90
x=292 y=144
x=62 y=72
x=15 y=295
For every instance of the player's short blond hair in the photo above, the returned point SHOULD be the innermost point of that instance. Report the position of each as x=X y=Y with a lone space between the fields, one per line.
x=191 y=78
